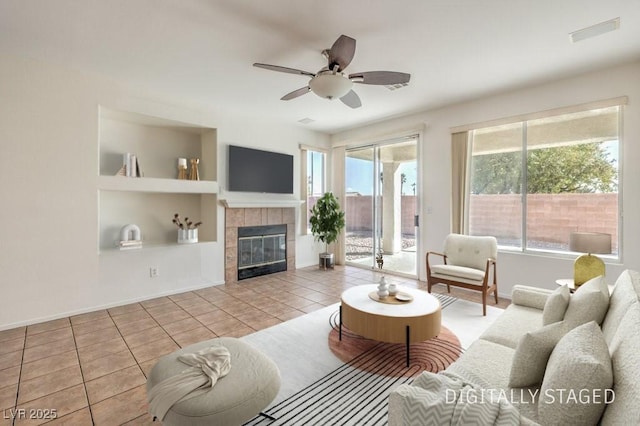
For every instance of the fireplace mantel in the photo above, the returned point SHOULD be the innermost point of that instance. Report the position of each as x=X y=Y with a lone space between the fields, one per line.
x=259 y=202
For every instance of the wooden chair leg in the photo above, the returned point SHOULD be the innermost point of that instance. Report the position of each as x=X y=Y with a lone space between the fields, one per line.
x=495 y=293
x=484 y=304
x=448 y=288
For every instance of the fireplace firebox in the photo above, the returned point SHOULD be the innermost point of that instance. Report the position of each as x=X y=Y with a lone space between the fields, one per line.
x=262 y=250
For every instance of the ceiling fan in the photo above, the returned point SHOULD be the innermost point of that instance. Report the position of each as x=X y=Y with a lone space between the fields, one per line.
x=330 y=82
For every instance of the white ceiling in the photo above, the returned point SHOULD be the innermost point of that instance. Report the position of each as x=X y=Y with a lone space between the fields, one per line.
x=203 y=50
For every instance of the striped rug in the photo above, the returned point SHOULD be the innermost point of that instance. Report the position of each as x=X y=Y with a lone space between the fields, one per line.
x=356 y=393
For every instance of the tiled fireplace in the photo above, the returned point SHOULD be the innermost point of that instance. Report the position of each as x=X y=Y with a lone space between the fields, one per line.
x=246 y=224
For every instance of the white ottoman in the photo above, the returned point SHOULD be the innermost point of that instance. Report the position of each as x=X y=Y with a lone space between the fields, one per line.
x=252 y=383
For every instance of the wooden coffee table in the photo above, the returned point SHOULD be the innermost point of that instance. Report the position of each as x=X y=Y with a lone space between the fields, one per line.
x=407 y=322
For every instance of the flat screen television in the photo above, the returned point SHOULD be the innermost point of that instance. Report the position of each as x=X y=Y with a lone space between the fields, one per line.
x=254 y=170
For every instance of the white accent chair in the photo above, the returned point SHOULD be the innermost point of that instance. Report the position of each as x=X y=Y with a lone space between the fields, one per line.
x=467 y=262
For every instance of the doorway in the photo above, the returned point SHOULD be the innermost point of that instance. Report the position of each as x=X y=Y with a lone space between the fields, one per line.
x=381 y=186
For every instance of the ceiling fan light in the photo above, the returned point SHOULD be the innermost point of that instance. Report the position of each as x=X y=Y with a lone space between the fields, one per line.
x=330 y=86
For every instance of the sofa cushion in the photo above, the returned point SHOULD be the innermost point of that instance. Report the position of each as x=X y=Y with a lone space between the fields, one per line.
x=598 y=283
x=625 y=358
x=532 y=353
x=526 y=402
x=625 y=292
x=556 y=305
x=590 y=302
x=512 y=324
x=483 y=365
x=454 y=271
x=533 y=297
x=577 y=377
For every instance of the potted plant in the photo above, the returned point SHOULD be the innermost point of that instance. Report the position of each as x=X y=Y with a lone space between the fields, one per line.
x=327 y=220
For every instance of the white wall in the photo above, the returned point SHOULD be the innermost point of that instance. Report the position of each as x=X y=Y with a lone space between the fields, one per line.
x=519 y=268
x=49 y=262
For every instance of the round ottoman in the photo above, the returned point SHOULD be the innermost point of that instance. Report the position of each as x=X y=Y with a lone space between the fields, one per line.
x=252 y=383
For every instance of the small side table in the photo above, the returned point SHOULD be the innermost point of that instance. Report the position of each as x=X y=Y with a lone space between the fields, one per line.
x=572 y=287
x=568 y=282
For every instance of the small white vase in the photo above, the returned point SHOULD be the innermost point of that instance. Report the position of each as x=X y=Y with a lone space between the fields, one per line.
x=393 y=289
x=187 y=236
x=382 y=288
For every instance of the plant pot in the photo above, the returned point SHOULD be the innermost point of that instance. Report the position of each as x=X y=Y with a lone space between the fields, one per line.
x=326 y=261
x=187 y=236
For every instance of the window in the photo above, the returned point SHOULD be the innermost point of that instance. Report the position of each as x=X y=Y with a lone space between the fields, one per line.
x=314 y=179
x=534 y=182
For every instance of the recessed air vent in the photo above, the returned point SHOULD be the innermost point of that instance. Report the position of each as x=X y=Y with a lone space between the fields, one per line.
x=396 y=86
x=594 y=30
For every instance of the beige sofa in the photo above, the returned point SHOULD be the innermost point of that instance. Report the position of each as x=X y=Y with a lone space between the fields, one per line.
x=550 y=358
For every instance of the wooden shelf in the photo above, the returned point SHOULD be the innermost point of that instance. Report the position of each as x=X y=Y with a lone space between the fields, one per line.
x=150 y=246
x=121 y=183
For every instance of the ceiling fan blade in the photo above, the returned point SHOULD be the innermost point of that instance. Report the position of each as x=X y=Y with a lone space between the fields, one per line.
x=380 y=77
x=341 y=53
x=283 y=69
x=351 y=99
x=295 y=93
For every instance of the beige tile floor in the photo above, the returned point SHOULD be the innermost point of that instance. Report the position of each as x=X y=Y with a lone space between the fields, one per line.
x=92 y=368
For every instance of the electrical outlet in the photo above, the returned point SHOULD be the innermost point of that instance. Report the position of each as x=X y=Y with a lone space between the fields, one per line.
x=154 y=272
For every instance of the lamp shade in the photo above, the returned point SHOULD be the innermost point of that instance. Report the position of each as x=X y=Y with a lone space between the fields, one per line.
x=590 y=242
x=330 y=86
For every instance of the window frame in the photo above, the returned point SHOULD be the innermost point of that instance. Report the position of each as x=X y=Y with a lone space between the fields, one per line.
x=307 y=153
x=619 y=103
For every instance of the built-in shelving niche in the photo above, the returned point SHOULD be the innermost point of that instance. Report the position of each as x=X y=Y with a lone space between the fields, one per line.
x=151 y=201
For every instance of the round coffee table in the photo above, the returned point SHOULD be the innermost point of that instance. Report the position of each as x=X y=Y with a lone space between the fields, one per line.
x=414 y=321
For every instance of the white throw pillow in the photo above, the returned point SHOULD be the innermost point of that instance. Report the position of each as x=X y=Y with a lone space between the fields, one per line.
x=590 y=302
x=556 y=305
x=577 y=379
x=532 y=353
x=597 y=283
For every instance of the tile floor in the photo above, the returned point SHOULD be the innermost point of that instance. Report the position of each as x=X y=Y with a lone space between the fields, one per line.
x=91 y=368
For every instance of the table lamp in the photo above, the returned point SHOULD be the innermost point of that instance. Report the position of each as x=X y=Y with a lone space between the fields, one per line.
x=588 y=266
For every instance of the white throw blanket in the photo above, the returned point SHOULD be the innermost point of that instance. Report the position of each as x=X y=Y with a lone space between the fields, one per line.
x=441 y=399
x=207 y=366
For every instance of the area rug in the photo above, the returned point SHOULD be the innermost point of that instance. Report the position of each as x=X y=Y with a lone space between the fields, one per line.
x=346 y=396
x=319 y=388
x=389 y=359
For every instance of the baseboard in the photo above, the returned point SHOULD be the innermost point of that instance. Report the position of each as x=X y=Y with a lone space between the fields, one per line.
x=107 y=305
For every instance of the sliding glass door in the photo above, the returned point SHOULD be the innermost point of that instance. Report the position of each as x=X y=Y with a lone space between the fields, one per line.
x=361 y=211
x=381 y=205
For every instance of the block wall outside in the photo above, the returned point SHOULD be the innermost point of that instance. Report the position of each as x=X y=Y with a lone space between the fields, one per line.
x=550 y=217
x=359 y=213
